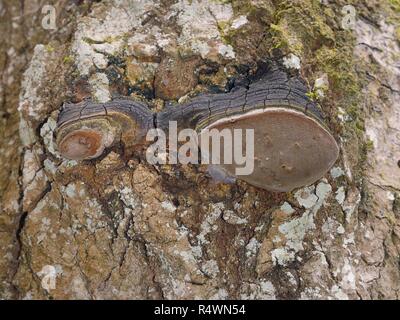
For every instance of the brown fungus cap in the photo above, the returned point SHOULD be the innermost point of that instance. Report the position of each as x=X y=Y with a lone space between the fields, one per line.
x=82 y=144
x=291 y=149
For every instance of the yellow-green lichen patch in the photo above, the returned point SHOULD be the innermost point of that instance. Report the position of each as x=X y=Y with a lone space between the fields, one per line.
x=300 y=26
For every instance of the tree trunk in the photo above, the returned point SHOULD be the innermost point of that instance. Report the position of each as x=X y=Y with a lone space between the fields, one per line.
x=117 y=227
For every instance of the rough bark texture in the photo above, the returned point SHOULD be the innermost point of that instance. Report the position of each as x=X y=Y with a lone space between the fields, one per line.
x=119 y=228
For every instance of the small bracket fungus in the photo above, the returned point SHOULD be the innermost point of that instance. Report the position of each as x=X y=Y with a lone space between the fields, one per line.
x=292 y=145
x=86 y=129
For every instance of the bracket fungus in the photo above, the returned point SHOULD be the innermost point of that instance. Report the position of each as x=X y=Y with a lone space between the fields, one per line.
x=292 y=145
x=86 y=129
x=291 y=149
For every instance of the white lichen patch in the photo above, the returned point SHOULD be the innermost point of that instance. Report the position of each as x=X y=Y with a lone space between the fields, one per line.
x=179 y=289
x=282 y=256
x=30 y=104
x=92 y=31
x=349 y=240
x=351 y=203
x=100 y=61
x=226 y=51
x=330 y=228
x=50 y=166
x=231 y=217
x=169 y=206
x=47 y=133
x=44 y=230
x=129 y=198
x=252 y=247
x=306 y=197
x=100 y=87
x=336 y=172
x=117 y=29
x=340 y=230
x=292 y=62
x=346 y=163
x=69 y=163
x=291 y=278
x=343 y=116
x=209 y=224
x=187 y=256
x=295 y=230
x=10 y=69
x=287 y=208
x=321 y=85
x=199 y=22
x=239 y=22
x=210 y=268
x=340 y=195
x=69 y=190
x=322 y=191
x=390 y=196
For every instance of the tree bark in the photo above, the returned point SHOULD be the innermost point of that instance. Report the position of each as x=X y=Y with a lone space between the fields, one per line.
x=117 y=227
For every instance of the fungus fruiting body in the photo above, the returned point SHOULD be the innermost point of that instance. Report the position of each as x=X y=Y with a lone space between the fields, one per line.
x=291 y=149
x=86 y=129
x=292 y=145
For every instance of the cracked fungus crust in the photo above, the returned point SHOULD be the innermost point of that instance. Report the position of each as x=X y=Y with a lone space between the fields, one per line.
x=290 y=149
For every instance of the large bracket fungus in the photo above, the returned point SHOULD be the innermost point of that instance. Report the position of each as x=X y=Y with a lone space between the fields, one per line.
x=293 y=147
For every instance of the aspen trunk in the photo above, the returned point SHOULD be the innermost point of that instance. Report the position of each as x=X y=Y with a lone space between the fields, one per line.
x=117 y=227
